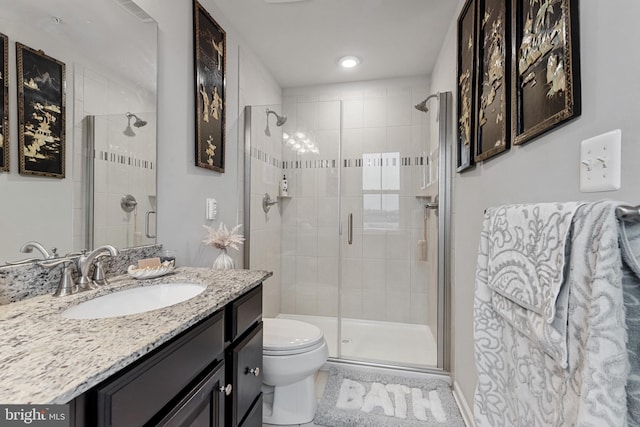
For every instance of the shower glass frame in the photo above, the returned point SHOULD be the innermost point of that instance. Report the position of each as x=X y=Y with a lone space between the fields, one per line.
x=443 y=339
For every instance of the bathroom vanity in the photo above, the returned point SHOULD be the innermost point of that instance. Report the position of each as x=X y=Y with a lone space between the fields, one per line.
x=198 y=362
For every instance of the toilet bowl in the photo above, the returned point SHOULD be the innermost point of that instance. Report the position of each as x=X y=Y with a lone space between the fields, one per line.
x=293 y=351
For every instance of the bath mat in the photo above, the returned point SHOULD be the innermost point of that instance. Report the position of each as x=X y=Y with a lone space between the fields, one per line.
x=353 y=398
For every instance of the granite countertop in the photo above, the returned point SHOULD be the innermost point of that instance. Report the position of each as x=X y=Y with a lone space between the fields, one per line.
x=46 y=358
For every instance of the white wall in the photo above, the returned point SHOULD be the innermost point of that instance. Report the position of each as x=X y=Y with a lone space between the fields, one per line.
x=547 y=169
x=183 y=187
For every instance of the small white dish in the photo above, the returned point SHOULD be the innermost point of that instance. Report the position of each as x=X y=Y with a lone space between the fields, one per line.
x=150 y=272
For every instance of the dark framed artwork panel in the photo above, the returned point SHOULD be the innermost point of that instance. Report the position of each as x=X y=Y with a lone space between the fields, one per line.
x=41 y=113
x=210 y=68
x=545 y=66
x=493 y=89
x=4 y=103
x=466 y=74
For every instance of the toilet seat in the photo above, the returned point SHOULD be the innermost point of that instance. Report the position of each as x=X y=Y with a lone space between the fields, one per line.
x=283 y=337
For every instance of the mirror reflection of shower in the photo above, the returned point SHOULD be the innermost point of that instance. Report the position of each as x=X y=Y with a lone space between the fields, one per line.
x=280 y=120
x=137 y=123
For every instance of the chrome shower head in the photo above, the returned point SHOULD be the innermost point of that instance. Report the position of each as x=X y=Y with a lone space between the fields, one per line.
x=280 y=120
x=139 y=122
x=422 y=106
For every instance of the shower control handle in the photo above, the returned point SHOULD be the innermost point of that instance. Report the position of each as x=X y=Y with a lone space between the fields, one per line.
x=255 y=371
x=350 y=229
x=226 y=390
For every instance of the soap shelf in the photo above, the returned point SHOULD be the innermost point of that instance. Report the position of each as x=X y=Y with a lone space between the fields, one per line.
x=284 y=197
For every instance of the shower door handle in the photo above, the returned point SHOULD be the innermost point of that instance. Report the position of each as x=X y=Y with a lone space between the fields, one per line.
x=146 y=225
x=350 y=229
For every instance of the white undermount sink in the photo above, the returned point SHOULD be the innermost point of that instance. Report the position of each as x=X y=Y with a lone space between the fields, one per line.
x=134 y=300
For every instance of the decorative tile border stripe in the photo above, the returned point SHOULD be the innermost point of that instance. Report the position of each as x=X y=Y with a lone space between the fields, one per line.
x=332 y=163
x=309 y=164
x=383 y=162
x=266 y=158
x=123 y=160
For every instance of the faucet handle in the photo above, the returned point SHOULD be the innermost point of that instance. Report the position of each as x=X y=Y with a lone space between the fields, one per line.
x=99 y=277
x=67 y=285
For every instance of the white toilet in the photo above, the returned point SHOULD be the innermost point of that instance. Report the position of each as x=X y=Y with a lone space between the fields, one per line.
x=293 y=351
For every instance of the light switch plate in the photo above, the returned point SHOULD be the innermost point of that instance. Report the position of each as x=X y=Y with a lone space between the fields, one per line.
x=211 y=209
x=600 y=162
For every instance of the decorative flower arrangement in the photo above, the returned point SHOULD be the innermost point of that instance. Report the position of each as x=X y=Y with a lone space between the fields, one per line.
x=222 y=238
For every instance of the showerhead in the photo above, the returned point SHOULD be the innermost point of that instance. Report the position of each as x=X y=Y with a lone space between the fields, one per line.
x=139 y=122
x=280 y=120
x=422 y=106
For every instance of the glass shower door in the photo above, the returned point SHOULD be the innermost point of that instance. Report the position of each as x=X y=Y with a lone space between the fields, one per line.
x=389 y=299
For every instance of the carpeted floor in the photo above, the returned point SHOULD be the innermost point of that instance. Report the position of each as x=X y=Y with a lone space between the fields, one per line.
x=353 y=398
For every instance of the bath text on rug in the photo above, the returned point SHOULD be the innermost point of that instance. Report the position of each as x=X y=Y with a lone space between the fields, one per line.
x=392 y=398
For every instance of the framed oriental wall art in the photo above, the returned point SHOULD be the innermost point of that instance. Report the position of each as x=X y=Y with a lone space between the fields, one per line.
x=466 y=86
x=4 y=104
x=493 y=89
x=41 y=113
x=210 y=52
x=545 y=66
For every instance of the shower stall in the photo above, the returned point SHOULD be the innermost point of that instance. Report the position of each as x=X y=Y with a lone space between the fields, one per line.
x=357 y=243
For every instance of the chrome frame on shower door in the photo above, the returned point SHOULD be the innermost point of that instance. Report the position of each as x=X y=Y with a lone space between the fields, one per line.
x=444 y=231
x=444 y=236
x=247 y=188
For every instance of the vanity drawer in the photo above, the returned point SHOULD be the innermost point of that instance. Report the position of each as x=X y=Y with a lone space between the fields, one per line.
x=244 y=312
x=135 y=397
x=245 y=374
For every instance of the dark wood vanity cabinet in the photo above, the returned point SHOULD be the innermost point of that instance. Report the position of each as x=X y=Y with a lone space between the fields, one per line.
x=244 y=360
x=210 y=375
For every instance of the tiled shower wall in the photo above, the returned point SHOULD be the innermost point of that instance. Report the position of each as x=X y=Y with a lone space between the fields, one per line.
x=257 y=88
x=384 y=163
x=265 y=226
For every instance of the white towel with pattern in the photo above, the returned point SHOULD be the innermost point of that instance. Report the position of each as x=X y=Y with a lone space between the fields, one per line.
x=559 y=357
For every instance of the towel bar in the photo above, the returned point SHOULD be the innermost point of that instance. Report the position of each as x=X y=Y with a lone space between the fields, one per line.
x=623 y=213
x=628 y=213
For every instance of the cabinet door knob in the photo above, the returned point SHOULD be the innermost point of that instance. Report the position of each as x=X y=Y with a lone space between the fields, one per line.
x=226 y=390
x=255 y=371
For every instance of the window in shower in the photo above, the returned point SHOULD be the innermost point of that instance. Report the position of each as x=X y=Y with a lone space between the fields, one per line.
x=380 y=191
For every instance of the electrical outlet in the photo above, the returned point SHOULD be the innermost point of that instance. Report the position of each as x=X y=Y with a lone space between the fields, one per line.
x=600 y=162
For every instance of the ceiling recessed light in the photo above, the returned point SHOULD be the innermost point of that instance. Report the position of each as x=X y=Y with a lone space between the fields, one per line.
x=349 y=61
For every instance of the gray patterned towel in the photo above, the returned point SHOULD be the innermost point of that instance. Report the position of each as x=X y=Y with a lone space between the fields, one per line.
x=630 y=245
x=525 y=268
x=527 y=253
x=519 y=383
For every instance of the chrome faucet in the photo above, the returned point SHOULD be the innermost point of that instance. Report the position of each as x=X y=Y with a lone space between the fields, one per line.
x=85 y=261
x=28 y=247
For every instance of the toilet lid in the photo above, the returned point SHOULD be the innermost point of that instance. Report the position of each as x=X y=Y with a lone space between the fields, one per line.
x=286 y=335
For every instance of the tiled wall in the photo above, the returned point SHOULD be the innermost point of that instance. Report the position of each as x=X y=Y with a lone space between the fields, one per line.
x=385 y=149
x=265 y=244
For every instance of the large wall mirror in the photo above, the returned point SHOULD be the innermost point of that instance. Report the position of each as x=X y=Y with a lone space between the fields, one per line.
x=108 y=195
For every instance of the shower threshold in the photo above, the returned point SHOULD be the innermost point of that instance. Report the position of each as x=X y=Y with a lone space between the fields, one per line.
x=376 y=341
